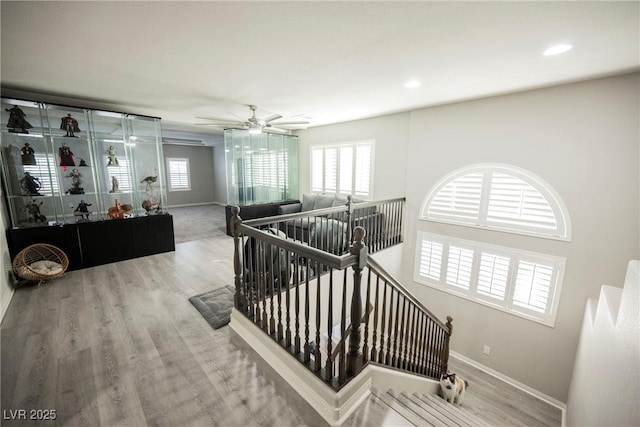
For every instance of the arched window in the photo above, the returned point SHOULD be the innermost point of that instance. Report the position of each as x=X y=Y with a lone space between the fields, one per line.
x=498 y=197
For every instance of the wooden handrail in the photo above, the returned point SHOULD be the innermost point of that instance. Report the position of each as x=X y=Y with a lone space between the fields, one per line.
x=339 y=262
x=401 y=289
x=258 y=222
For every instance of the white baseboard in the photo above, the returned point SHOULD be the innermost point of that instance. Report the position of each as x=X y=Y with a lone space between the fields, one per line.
x=6 y=301
x=517 y=384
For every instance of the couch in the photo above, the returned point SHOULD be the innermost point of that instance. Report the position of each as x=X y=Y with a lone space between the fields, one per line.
x=329 y=232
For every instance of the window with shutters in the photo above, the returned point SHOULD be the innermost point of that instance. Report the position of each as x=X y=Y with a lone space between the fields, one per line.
x=523 y=283
x=178 y=174
x=41 y=171
x=345 y=168
x=498 y=197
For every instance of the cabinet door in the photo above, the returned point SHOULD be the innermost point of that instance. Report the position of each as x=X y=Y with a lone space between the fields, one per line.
x=145 y=151
x=30 y=179
x=71 y=150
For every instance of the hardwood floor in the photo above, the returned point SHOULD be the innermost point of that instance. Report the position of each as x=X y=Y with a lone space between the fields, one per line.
x=120 y=344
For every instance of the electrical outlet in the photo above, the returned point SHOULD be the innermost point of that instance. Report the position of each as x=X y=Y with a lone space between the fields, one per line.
x=486 y=350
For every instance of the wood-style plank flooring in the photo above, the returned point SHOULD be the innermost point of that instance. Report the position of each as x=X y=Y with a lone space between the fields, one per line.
x=120 y=345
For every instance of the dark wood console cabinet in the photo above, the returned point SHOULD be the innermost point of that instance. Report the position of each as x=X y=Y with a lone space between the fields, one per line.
x=100 y=242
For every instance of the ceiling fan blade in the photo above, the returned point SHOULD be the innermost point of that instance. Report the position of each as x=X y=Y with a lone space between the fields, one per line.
x=275 y=130
x=213 y=118
x=294 y=122
x=236 y=124
x=272 y=118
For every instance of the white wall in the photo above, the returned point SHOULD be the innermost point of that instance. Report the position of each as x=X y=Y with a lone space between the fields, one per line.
x=582 y=139
x=6 y=288
x=605 y=386
x=391 y=139
x=201 y=170
x=219 y=175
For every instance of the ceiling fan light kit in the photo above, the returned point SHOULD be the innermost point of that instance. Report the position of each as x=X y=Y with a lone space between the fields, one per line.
x=256 y=125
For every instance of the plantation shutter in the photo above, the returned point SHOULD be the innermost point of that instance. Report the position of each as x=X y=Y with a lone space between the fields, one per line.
x=346 y=169
x=460 y=198
x=44 y=163
x=459 y=267
x=430 y=260
x=317 y=169
x=515 y=202
x=493 y=275
x=331 y=169
x=178 y=174
x=363 y=170
x=533 y=286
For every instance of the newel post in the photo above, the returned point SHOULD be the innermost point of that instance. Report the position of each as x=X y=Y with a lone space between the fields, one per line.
x=359 y=249
x=445 y=358
x=235 y=220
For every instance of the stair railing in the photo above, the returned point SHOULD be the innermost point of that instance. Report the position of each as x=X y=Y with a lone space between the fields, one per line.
x=304 y=297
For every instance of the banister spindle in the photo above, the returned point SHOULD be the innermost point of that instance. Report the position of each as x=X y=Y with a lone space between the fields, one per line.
x=359 y=249
x=349 y=224
x=235 y=221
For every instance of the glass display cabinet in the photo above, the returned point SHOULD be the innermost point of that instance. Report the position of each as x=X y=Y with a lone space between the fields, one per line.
x=261 y=168
x=72 y=167
x=262 y=172
x=65 y=165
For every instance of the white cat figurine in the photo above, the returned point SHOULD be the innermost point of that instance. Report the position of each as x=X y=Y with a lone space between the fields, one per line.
x=453 y=388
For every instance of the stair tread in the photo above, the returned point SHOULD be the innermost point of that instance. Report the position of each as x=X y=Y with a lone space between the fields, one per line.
x=454 y=415
x=460 y=413
x=434 y=417
x=393 y=403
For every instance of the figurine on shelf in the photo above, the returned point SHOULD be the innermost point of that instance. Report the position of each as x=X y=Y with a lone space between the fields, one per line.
x=83 y=163
x=66 y=155
x=82 y=210
x=17 y=120
x=118 y=211
x=148 y=206
x=30 y=184
x=76 y=182
x=149 y=180
x=111 y=154
x=114 y=185
x=27 y=155
x=33 y=209
x=70 y=125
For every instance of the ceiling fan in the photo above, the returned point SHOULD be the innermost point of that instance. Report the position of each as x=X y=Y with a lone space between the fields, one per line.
x=255 y=125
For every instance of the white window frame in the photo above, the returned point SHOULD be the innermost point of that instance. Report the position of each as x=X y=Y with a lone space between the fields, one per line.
x=171 y=173
x=471 y=205
x=517 y=258
x=354 y=189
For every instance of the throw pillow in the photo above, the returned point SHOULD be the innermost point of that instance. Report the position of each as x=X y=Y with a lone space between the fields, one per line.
x=308 y=200
x=323 y=202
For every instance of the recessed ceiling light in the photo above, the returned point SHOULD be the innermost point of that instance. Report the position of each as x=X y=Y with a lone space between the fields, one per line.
x=557 y=50
x=412 y=83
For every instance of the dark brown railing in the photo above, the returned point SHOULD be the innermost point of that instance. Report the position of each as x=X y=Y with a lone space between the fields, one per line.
x=304 y=297
x=331 y=229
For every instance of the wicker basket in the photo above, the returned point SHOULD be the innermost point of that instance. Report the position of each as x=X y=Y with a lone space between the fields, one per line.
x=40 y=262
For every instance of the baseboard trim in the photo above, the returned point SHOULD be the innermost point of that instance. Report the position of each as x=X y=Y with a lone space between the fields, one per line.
x=5 y=306
x=515 y=383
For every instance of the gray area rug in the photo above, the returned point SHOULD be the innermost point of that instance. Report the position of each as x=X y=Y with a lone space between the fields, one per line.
x=215 y=306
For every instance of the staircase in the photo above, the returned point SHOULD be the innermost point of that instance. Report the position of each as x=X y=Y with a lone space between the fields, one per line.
x=427 y=410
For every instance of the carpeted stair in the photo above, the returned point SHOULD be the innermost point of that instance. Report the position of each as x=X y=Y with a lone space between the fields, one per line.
x=429 y=410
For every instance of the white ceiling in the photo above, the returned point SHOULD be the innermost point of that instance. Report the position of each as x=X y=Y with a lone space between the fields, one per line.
x=329 y=61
